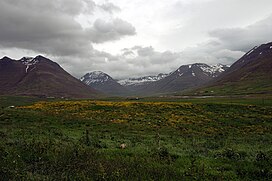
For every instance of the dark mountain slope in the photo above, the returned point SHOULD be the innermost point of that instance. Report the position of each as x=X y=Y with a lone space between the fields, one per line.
x=251 y=74
x=40 y=76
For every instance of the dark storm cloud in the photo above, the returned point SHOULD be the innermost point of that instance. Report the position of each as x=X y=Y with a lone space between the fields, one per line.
x=50 y=27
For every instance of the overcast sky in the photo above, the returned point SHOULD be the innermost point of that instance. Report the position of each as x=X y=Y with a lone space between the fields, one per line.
x=128 y=38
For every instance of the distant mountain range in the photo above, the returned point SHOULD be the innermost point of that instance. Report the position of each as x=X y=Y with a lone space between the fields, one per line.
x=41 y=77
x=187 y=76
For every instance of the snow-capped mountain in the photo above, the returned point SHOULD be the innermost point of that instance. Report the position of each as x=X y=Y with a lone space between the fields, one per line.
x=210 y=71
x=213 y=71
x=185 y=77
x=95 y=77
x=141 y=80
x=251 y=74
x=103 y=82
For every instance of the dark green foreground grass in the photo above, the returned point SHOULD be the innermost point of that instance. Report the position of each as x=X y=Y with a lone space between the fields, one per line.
x=80 y=140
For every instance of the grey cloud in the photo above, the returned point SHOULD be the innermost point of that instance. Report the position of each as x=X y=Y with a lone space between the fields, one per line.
x=128 y=53
x=110 y=7
x=103 y=31
x=50 y=27
x=229 y=44
x=243 y=39
x=145 y=51
x=155 y=57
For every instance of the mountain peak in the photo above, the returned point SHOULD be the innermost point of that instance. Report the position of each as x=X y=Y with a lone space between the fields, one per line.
x=29 y=62
x=5 y=58
x=95 y=77
x=103 y=82
x=196 y=68
x=255 y=53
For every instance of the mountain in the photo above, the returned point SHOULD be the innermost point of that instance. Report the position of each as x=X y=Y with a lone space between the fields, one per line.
x=185 y=77
x=39 y=76
x=104 y=83
x=251 y=74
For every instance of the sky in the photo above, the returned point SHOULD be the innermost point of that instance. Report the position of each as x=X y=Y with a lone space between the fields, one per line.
x=126 y=38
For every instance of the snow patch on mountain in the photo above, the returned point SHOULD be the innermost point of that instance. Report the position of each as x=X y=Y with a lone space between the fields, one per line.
x=28 y=62
x=252 y=50
x=141 y=80
x=213 y=69
x=193 y=74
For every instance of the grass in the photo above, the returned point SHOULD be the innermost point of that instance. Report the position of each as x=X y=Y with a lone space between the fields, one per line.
x=261 y=85
x=192 y=139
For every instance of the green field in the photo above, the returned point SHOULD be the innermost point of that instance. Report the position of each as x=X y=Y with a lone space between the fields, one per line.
x=166 y=139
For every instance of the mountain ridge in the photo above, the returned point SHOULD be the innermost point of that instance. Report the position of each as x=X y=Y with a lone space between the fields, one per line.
x=148 y=85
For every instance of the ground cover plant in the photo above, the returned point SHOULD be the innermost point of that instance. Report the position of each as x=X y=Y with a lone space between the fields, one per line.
x=186 y=140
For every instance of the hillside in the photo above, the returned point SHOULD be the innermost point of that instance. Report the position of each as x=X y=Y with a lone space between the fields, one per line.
x=41 y=77
x=251 y=74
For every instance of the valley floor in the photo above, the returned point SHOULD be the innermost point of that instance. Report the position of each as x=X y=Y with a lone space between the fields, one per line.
x=185 y=139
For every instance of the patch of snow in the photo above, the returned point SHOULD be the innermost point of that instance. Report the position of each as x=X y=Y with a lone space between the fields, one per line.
x=261 y=53
x=141 y=80
x=206 y=68
x=212 y=70
x=270 y=47
x=252 y=50
x=190 y=66
x=29 y=61
x=27 y=66
x=248 y=53
x=81 y=79
x=218 y=68
x=193 y=74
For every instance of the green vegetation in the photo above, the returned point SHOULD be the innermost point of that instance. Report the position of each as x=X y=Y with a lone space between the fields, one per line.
x=257 y=85
x=201 y=139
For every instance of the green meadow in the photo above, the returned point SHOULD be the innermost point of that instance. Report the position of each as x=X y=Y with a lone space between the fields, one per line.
x=148 y=139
